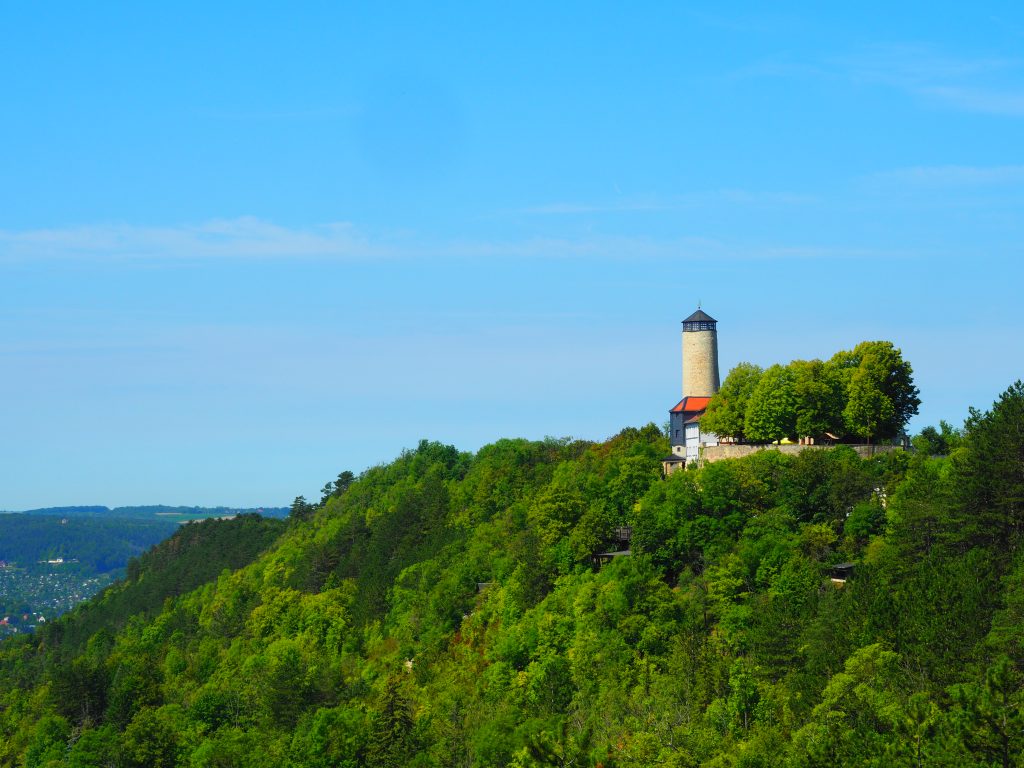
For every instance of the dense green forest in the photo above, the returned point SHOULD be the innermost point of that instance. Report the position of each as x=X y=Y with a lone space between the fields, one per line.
x=196 y=554
x=443 y=610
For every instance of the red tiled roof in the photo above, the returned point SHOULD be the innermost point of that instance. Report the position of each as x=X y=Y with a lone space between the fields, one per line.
x=691 y=405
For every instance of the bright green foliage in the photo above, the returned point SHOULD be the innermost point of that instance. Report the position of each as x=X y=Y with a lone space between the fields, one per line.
x=154 y=737
x=194 y=555
x=95 y=747
x=867 y=393
x=772 y=408
x=726 y=413
x=867 y=410
x=858 y=715
x=332 y=738
x=864 y=521
x=47 y=743
x=443 y=610
x=820 y=398
x=881 y=396
x=823 y=486
x=938 y=442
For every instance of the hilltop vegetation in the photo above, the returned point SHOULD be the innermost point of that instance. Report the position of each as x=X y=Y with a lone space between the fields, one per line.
x=866 y=393
x=443 y=611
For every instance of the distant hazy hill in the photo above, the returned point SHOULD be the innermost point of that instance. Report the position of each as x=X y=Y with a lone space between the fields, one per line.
x=96 y=544
x=66 y=511
x=150 y=510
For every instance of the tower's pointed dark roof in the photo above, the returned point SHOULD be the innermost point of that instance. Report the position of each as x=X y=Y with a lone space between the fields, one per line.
x=700 y=316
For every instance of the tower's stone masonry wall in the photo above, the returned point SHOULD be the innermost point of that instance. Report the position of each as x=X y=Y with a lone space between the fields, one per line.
x=700 y=363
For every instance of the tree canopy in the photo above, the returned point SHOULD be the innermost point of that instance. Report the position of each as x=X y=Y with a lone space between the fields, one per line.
x=771 y=410
x=726 y=413
x=866 y=393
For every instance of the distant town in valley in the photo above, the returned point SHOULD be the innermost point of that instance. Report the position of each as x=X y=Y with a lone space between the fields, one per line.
x=52 y=559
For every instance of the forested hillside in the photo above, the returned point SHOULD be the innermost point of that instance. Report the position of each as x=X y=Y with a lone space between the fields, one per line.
x=443 y=610
x=195 y=554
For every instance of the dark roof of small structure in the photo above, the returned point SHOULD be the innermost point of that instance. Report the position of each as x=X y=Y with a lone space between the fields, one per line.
x=700 y=316
x=842 y=571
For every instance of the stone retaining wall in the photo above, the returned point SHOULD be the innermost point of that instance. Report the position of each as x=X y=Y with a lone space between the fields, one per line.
x=718 y=452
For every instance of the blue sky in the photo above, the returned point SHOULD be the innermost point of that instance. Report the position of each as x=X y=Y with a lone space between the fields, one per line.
x=243 y=248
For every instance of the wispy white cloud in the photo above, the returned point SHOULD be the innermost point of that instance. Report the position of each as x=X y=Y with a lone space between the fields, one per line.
x=980 y=84
x=979 y=99
x=983 y=84
x=244 y=237
x=917 y=65
x=673 y=203
x=951 y=176
x=666 y=252
x=251 y=238
x=781 y=67
x=284 y=115
x=566 y=208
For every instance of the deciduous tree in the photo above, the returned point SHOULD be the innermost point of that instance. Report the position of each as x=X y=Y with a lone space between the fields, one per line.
x=820 y=398
x=727 y=411
x=771 y=410
x=881 y=396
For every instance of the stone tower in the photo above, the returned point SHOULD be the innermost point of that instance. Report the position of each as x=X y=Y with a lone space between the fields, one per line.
x=700 y=355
